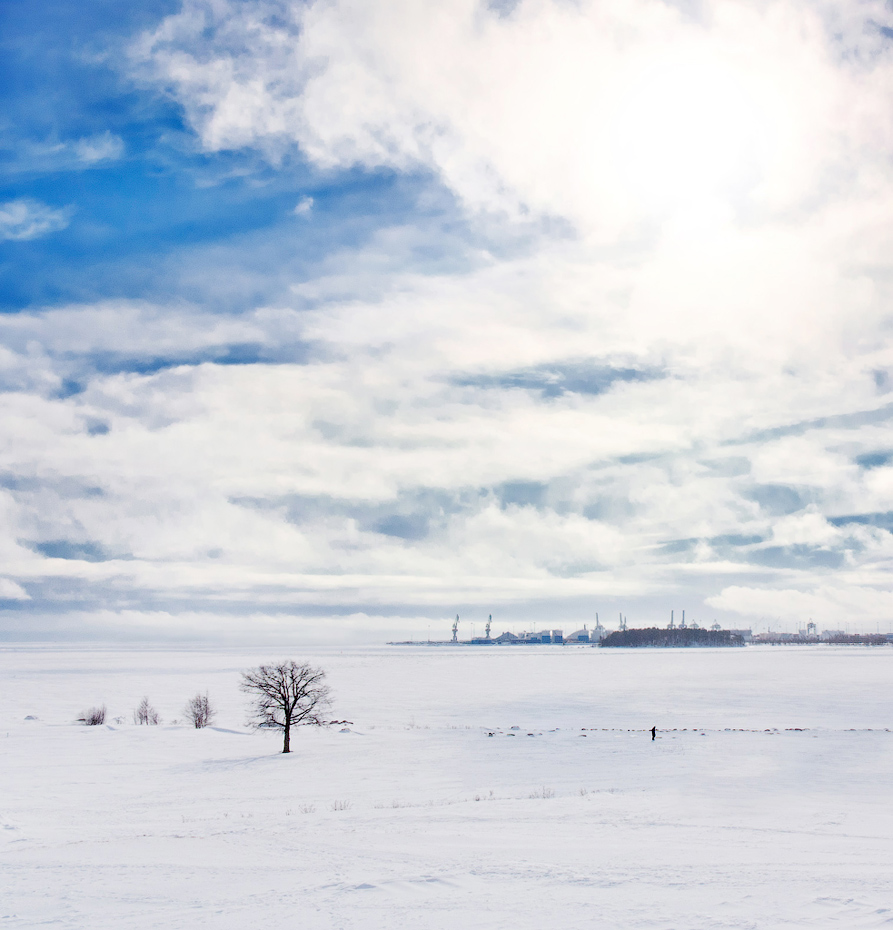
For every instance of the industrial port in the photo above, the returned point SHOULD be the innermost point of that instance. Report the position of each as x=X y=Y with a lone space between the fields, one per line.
x=672 y=636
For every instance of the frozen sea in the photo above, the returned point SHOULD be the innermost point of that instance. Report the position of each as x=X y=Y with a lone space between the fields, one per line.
x=764 y=803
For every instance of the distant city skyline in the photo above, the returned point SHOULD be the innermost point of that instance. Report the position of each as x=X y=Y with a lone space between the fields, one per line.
x=332 y=320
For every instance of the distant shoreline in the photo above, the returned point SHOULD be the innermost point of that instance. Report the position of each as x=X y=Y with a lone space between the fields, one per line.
x=677 y=638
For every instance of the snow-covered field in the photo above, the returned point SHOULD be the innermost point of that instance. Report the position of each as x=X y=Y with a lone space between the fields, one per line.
x=764 y=803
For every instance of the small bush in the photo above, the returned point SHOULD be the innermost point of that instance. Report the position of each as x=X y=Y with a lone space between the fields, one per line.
x=146 y=714
x=340 y=806
x=199 y=712
x=94 y=717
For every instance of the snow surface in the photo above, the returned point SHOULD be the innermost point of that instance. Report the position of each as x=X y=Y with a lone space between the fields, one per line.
x=413 y=816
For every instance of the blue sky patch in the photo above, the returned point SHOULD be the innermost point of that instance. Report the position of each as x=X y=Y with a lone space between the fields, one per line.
x=556 y=379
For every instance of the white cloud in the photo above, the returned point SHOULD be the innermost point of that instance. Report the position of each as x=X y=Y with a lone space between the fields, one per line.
x=188 y=451
x=223 y=482
x=105 y=146
x=52 y=155
x=29 y=219
x=10 y=591
x=132 y=328
x=606 y=113
x=304 y=206
x=857 y=607
x=726 y=174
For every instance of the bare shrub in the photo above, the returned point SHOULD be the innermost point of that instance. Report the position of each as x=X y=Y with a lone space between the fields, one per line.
x=288 y=694
x=340 y=806
x=544 y=793
x=93 y=717
x=146 y=714
x=199 y=711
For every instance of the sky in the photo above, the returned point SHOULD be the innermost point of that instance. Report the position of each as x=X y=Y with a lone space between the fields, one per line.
x=332 y=320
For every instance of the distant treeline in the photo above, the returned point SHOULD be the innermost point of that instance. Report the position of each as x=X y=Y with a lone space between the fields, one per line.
x=673 y=638
x=857 y=639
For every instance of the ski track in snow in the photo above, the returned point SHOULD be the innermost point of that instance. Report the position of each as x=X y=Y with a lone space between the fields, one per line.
x=763 y=804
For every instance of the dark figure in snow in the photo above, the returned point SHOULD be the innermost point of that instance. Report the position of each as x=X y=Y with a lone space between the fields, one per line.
x=653 y=733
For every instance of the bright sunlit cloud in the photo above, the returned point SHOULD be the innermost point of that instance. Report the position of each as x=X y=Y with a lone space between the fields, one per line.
x=690 y=131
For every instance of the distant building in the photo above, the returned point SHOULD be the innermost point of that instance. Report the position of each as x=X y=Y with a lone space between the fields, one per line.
x=771 y=637
x=543 y=636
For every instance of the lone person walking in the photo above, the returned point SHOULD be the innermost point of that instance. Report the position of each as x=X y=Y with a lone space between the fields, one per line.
x=653 y=734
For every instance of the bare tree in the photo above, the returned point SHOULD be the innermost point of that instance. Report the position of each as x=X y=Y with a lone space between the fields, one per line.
x=146 y=714
x=199 y=711
x=285 y=695
x=93 y=717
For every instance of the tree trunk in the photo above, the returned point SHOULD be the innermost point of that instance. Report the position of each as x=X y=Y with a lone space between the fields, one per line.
x=285 y=747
